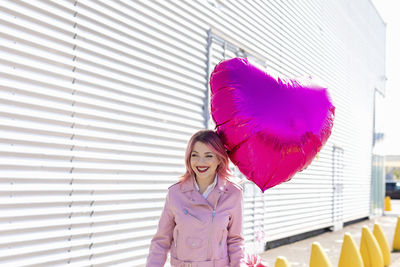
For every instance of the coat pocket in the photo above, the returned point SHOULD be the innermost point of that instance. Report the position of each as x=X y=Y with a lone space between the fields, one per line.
x=174 y=248
x=222 y=237
x=222 y=245
x=175 y=235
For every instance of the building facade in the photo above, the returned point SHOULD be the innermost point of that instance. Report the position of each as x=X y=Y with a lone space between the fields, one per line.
x=98 y=100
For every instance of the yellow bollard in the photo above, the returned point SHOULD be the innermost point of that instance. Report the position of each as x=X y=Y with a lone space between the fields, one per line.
x=396 y=238
x=388 y=204
x=318 y=256
x=370 y=250
x=350 y=256
x=282 y=262
x=383 y=243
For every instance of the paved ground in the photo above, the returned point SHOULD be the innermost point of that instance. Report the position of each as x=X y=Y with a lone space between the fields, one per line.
x=298 y=253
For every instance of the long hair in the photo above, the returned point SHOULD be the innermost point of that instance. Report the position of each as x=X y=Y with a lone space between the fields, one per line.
x=214 y=143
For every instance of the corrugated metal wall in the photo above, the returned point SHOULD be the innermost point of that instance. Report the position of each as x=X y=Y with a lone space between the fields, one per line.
x=98 y=100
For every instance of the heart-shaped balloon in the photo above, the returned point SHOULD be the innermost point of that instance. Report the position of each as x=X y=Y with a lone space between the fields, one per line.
x=272 y=128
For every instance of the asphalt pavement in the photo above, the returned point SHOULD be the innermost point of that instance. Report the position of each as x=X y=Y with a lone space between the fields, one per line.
x=298 y=253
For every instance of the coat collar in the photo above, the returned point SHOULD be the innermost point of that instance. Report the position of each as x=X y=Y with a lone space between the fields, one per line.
x=189 y=189
x=188 y=185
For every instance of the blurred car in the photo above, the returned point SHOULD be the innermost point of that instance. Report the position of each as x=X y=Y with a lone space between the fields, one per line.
x=393 y=190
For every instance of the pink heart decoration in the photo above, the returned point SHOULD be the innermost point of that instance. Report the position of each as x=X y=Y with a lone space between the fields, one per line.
x=271 y=128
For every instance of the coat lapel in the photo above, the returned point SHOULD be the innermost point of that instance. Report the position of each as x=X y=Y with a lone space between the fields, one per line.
x=191 y=192
x=189 y=189
x=216 y=193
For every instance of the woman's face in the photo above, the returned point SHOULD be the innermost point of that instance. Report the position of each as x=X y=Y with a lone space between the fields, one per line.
x=203 y=161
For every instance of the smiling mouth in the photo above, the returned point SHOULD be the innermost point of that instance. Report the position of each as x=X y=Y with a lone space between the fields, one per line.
x=201 y=170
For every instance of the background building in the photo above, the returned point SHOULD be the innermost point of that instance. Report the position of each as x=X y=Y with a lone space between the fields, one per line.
x=392 y=168
x=392 y=174
x=98 y=100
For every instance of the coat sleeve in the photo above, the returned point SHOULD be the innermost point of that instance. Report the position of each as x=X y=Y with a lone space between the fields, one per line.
x=235 y=240
x=161 y=242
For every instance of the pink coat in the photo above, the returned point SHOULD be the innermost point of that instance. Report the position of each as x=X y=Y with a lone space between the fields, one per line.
x=200 y=232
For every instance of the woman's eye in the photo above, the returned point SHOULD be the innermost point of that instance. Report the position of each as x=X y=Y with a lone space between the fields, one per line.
x=193 y=155
x=209 y=156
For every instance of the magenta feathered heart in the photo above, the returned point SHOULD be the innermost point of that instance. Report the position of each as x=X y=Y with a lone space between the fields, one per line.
x=272 y=128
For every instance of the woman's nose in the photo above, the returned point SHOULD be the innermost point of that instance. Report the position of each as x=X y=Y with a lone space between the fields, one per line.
x=201 y=159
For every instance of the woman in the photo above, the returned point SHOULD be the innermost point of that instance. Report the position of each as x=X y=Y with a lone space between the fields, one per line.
x=201 y=223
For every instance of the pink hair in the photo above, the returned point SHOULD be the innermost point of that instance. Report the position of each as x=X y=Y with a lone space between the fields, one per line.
x=212 y=140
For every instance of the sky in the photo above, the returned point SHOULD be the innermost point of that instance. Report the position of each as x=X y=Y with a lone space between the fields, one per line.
x=389 y=11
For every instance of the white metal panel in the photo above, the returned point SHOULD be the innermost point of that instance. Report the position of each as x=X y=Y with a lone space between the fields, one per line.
x=36 y=107
x=302 y=51
x=95 y=118
x=98 y=100
x=273 y=215
x=126 y=50
x=311 y=42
